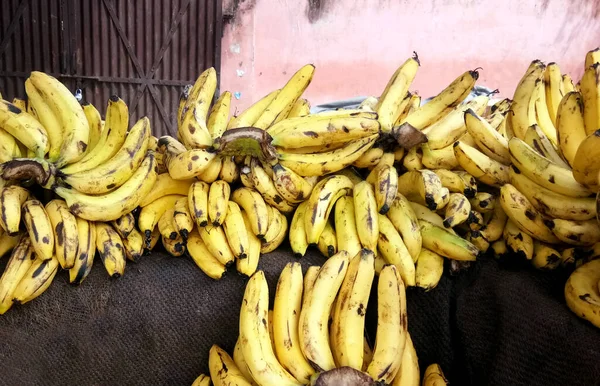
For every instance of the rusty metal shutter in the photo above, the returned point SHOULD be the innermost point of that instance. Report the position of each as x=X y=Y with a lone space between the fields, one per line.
x=145 y=51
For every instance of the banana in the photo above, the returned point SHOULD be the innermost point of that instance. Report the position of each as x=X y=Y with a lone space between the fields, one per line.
x=499 y=247
x=409 y=373
x=255 y=207
x=254 y=336
x=475 y=220
x=301 y=108
x=319 y=164
x=166 y=185
x=393 y=249
x=87 y=250
x=483 y=202
x=582 y=294
x=413 y=105
x=25 y=128
x=9 y=149
x=266 y=187
x=248 y=265
x=592 y=57
x=405 y=221
x=297 y=234
x=40 y=229
x=327 y=244
x=198 y=202
x=590 y=93
x=291 y=186
x=110 y=248
x=40 y=108
x=189 y=164
x=12 y=199
x=581 y=233
x=369 y=158
x=166 y=226
x=183 y=97
x=517 y=241
x=550 y=203
x=480 y=166
x=203 y=258
x=321 y=202
x=457 y=210
x=111 y=206
x=313 y=130
x=235 y=230
x=124 y=225
x=544 y=121
x=36 y=281
x=286 y=98
x=457 y=181
x=570 y=125
x=20 y=103
x=252 y=113
x=424 y=213
x=111 y=139
x=544 y=256
x=18 y=265
x=489 y=141
x=389 y=105
x=434 y=376
x=152 y=213
x=553 y=82
x=219 y=115
x=537 y=140
x=385 y=182
x=75 y=130
x=495 y=225
x=64 y=225
x=443 y=158
x=193 y=131
x=230 y=172
x=413 y=160
x=569 y=85
x=216 y=241
x=369 y=103
x=154 y=237
x=429 y=270
x=7 y=242
x=286 y=315
x=202 y=380
x=365 y=212
x=276 y=233
x=524 y=215
x=422 y=186
x=182 y=219
x=444 y=102
x=223 y=370
x=133 y=245
x=345 y=225
x=392 y=326
x=240 y=362
x=348 y=324
x=449 y=129
x=174 y=247
x=523 y=105
x=585 y=163
x=118 y=169
x=167 y=144
x=543 y=171
x=445 y=243
x=313 y=323
x=218 y=197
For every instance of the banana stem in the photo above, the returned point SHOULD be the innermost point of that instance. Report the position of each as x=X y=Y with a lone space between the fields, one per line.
x=408 y=136
x=26 y=169
x=342 y=376
x=246 y=141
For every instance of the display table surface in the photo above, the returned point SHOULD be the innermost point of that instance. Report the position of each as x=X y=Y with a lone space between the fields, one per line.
x=490 y=325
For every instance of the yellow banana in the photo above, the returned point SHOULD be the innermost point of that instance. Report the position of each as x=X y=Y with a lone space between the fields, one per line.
x=152 y=213
x=124 y=225
x=391 y=326
x=447 y=244
x=585 y=164
x=174 y=247
x=11 y=200
x=495 y=225
x=286 y=98
x=193 y=131
x=517 y=241
x=41 y=109
x=389 y=105
x=385 y=183
x=553 y=90
x=409 y=373
x=291 y=186
x=369 y=158
x=133 y=245
x=223 y=370
x=301 y=108
x=254 y=336
x=543 y=171
x=365 y=212
x=216 y=241
x=544 y=256
x=518 y=208
x=413 y=160
x=581 y=233
x=499 y=248
x=480 y=166
x=182 y=218
x=112 y=205
x=429 y=270
x=255 y=207
x=483 y=202
x=434 y=376
x=422 y=186
x=252 y=113
x=21 y=259
x=537 y=140
x=202 y=380
x=489 y=141
x=457 y=210
x=189 y=164
x=166 y=185
x=66 y=236
x=413 y=105
x=582 y=294
x=219 y=115
x=110 y=248
x=198 y=202
x=111 y=139
x=248 y=265
x=7 y=242
x=444 y=102
x=590 y=93
x=443 y=158
x=523 y=105
x=39 y=227
x=276 y=233
x=203 y=258
x=87 y=251
x=327 y=244
x=25 y=128
x=235 y=230
x=286 y=315
x=266 y=187
x=393 y=249
x=9 y=149
x=36 y=280
x=313 y=325
x=405 y=221
x=570 y=125
x=457 y=181
x=218 y=197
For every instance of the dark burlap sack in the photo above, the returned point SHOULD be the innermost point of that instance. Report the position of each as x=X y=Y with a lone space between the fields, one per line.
x=487 y=326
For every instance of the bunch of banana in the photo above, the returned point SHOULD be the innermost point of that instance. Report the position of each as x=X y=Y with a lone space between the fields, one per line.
x=294 y=344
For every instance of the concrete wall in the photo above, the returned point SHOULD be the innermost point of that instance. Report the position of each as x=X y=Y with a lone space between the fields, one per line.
x=357 y=44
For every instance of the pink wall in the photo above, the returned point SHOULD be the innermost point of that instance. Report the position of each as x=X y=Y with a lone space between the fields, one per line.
x=357 y=44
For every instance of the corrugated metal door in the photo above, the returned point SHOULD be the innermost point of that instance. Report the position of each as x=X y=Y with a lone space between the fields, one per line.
x=145 y=51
